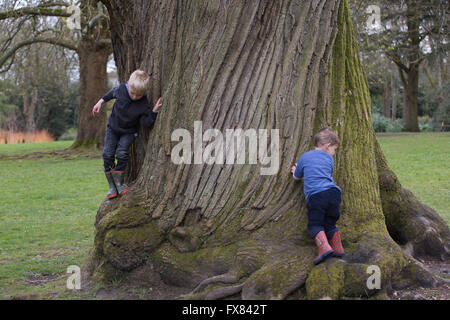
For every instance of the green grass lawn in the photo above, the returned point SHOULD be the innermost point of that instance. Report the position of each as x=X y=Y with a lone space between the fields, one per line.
x=46 y=216
x=421 y=162
x=25 y=148
x=48 y=206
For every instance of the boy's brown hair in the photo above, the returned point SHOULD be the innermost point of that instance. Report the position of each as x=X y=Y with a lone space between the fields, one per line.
x=139 y=81
x=324 y=136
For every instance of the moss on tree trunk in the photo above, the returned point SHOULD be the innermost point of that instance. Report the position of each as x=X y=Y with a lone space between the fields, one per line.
x=225 y=229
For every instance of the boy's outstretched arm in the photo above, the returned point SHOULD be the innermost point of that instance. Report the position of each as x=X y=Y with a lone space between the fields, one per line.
x=96 y=108
x=111 y=94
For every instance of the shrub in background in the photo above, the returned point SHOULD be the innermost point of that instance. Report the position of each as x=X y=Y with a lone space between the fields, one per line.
x=383 y=124
x=69 y=134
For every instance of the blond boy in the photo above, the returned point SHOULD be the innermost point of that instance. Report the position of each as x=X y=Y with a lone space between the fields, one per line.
x=130 y=109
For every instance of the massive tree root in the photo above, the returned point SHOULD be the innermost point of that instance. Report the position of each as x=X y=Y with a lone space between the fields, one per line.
x=256 y=268
x=260 y=271
x=415 y=226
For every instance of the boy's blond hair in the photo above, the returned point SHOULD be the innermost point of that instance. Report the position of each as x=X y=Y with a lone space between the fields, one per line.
x=139 y=82
x=324 y=136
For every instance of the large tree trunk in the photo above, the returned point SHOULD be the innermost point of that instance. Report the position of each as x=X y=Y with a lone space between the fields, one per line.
x=394 y=97
x=93 y=55
x=411 y=107
x=29 y=106
x=411 y=79
x=387 y=97
x=226 y=229
x=93 y=84
x=30 y=97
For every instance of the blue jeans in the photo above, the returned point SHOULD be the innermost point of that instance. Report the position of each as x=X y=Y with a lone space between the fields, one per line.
x=324 y=212
x=116 y=146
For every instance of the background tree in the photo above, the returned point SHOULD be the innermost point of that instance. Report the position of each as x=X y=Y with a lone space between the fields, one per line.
x=39 y=84
x=92 y=47
x=226 y=229
x=8 y=110
x=411 y=31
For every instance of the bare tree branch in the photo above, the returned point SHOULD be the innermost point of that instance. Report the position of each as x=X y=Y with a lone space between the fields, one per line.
x=396 y=59
x=8 y=67
x=97 y=18
x=8 y=40
x=54 y=4
x=34 y=11
x=402 y=77
x=60 y=42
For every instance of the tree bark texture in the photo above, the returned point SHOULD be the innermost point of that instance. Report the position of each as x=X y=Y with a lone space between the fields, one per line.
x=226 y=229
x=387 y=97
x=93 y=55
x=394 y=98
x=93 y=84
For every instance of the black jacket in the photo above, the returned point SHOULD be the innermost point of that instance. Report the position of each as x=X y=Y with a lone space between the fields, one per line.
x=126 y=113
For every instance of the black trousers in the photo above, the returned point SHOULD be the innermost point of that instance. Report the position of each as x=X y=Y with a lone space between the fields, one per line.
x=323 y=212
x=116 y=146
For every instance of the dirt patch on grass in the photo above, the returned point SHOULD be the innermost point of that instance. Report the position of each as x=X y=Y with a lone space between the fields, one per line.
x=441 y=269
x=26 y=296
x=441 y=292
x=162 y=292
x=67 y=154
x=36 y=279
x=122 y=291
x=57 y=252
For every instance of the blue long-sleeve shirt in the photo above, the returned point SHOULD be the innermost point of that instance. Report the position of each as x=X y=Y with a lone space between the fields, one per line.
x=126 y=113
x=316 y=168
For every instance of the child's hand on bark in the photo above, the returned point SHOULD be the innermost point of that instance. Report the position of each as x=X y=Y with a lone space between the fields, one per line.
x=293 y=169
x=157 y=105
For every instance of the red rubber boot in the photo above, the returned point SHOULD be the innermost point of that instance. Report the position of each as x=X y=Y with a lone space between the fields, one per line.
x=122 y=188
x=112 y=192
x=336 y=245
x=325 y=249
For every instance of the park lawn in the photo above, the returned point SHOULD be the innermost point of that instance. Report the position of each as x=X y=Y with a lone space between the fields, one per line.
x=47 y=214
x=26 y=148
x=48 y=207
x=421 y=162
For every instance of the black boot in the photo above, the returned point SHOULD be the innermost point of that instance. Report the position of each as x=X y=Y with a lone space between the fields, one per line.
x=112 y=192
x=122 y=188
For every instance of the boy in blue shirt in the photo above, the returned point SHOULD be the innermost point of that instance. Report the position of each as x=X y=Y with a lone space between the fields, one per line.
x=323 y=196
x=130 y=109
